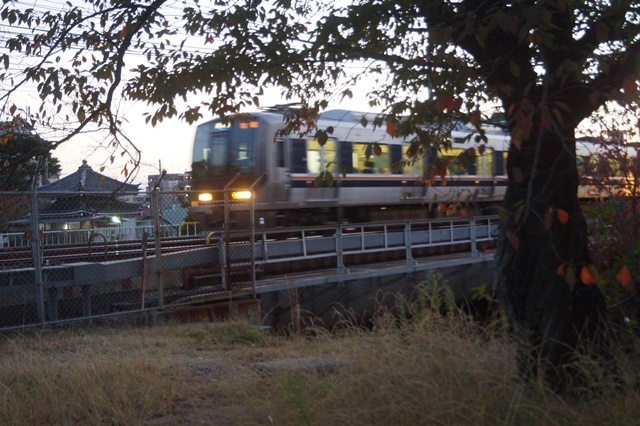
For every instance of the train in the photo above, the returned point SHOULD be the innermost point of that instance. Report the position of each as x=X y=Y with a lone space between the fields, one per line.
x=358 y=173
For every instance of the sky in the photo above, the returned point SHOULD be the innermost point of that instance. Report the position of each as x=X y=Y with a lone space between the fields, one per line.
x=167 y=145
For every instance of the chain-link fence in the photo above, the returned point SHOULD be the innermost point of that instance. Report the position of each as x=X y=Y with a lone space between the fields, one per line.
x=71 y=256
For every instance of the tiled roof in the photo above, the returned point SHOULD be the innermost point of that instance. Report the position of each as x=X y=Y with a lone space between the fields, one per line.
x=85 y=179
x=89 y=205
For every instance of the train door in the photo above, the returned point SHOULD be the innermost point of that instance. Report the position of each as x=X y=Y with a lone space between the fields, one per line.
x=281 y=171
x=412 y=169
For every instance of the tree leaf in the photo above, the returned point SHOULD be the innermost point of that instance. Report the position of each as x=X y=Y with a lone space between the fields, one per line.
x=328 y=179
x=563 y=216
x=587 y=276
x=624 y=278
x=343 y=170
x=391 y=128
x=570 y=276
x=322 y=137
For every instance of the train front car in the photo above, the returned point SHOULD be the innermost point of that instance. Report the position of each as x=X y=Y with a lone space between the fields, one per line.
x=360 y=173
x=229 y=165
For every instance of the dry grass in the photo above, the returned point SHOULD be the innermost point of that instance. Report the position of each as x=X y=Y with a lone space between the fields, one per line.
x=429 y=370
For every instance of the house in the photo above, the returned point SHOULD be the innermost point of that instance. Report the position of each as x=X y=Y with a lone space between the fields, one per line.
x=83 y=200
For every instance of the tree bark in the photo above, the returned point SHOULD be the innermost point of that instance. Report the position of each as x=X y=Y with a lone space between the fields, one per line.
x=542 y=249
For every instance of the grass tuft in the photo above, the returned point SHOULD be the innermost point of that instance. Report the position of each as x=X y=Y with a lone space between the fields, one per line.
x=421 y=362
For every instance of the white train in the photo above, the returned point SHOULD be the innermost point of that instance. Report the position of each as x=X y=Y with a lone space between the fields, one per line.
x=373 y=178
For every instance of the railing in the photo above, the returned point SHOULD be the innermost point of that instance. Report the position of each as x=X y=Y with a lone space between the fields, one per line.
x=288 y=245
x=79 y=236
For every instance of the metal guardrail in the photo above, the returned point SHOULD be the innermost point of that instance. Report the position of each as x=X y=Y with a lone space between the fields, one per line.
x=289 y=245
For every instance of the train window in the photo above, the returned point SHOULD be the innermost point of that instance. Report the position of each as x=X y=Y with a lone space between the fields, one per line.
x=298 y=156
x=217 y=154
x=584 y=164
x=371 y=158
x=413 y=166
x=202 y=143
x=320 y=158
x=456 y=161
x=469 y=161
x=499 y=163
x=599 y=166
x=484 y=162
x=241 y=150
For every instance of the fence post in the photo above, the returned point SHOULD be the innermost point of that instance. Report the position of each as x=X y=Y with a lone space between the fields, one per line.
x=155 y=208
x=474 y=243
x=35 y=247
x=252 y=224
x=226 y=250
x=252 y=242
x=407 y=243
x=143 y=281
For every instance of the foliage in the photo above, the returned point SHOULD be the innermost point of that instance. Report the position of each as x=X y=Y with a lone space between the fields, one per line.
x=12 y=207
x=614 y=173
x=19 y=152
x=429 y=62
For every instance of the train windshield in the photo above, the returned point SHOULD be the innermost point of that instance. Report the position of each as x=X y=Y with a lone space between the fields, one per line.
x=220 y=149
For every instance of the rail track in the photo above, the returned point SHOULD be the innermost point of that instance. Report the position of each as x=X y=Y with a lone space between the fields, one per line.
x=22 y=257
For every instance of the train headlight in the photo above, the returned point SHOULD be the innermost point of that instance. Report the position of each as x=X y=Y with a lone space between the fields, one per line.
x=241 y=195
x=205 y=196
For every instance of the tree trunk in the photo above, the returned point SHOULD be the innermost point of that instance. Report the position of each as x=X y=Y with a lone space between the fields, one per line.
x=541 y=253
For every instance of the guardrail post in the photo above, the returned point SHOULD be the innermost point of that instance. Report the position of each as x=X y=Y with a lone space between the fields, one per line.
x=265 y=253
x=339 y=250
x=472 y=231
x=407 y=243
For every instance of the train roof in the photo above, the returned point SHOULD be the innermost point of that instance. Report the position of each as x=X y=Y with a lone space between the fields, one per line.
x=587 y=146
